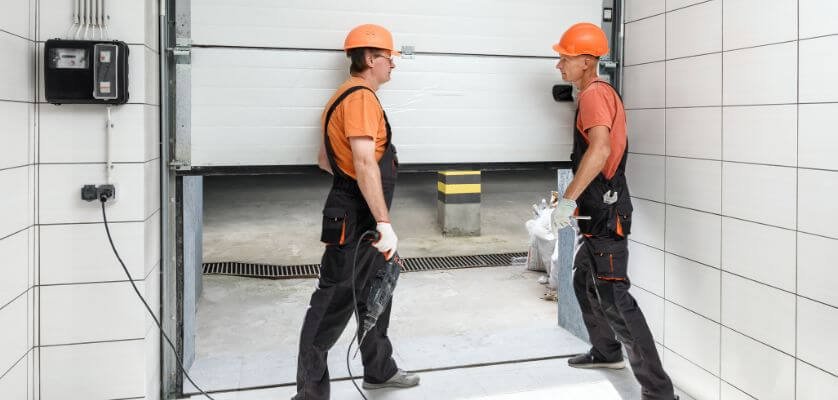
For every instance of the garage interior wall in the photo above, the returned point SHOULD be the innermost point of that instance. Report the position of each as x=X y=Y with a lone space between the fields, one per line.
x=71 y=327
x=733 y=107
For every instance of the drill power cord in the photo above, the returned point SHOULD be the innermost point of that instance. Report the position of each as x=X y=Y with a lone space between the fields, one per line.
x=147 y=307
x=357 y=311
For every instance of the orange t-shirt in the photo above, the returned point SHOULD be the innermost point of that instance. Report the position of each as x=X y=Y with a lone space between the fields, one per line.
x=358 y=115
x=600 y=105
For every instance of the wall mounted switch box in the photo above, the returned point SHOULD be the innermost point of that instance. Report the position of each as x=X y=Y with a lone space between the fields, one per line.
x=85 y=72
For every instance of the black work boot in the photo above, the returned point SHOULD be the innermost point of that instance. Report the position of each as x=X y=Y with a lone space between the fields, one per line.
x=588 y=360
x=402 y=379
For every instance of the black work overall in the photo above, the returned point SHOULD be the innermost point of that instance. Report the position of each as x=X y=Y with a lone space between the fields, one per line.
x=601 y=281
x=346 y=216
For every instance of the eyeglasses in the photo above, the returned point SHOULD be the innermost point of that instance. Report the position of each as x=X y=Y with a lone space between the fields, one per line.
x=389 y=57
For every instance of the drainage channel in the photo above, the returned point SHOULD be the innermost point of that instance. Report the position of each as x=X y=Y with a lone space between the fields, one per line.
x=416 y=264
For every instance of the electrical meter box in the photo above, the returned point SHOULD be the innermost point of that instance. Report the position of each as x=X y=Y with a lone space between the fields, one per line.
x=85 y=72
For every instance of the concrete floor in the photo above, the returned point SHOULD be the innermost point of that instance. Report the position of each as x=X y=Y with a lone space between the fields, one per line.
x=481 y=334
x=276 y=218
x=475 y=334
x=248 y=329
x=535 y=380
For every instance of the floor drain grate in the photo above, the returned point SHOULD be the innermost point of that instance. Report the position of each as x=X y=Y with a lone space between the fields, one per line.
x=312 y=270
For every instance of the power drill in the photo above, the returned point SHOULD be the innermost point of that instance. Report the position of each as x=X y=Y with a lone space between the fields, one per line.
x=381 y=291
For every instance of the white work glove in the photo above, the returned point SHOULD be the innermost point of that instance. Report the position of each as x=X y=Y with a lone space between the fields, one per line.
x=388 y=241
x=561 y=215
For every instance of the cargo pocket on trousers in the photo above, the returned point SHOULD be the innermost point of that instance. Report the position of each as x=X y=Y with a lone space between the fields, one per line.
x=611 y=266
x=335 y=226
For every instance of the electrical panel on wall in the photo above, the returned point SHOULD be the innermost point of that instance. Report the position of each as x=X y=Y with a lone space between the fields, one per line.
x=85 y=72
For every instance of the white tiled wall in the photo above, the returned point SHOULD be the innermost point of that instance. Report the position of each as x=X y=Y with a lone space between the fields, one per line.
x=815 y=277
x=761 y=134
x=695 y=184
x=648 y=130
x=72 y=327
x=693 y=286
x=757 y=369
x=17 y=205
x=761 y=75
x=700 y=383
x=743 y=110
x=702 y=90
x=646 y=265
x=817 y=146
x=749 y=23
x=694 y=30
x=694 y=132
x=693 y=337
x=107 y=370
x=647 y=41
x=646 y=172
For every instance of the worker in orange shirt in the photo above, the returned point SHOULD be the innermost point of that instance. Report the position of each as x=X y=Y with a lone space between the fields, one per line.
x=357 y=150
x=599 y=186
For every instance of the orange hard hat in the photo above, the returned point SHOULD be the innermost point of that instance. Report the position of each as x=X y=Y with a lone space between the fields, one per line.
x=370 y=35
x=583 y=38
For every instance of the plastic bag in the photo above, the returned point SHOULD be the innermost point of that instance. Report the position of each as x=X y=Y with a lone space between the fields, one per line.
x=542 y=240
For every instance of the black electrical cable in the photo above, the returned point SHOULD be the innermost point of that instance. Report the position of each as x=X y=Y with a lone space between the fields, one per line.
x=357 y=312
x=147 y=307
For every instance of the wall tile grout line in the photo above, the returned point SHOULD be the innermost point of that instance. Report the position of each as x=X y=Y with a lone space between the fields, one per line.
x=37 y=391
x=818 y=368
x=126 y=104
x=16 y=35
x=760 y=342
x=732 y=217
x=669 y=11
x=90 y=283
x=721 y=52
x=737 y=388
x=665 y=164
x=15 y=233
x=2 y=100
x=14 y=299
x=15 y=364
x=46 y=346
x=721 y=199
x=691 y=362
x=797 y=205
x=799 y=39
x=15 y=167
x=724 y=271
x=691 y=311
x=128 y=221
x=759 y=46
x=731 y=106
x=98 y=163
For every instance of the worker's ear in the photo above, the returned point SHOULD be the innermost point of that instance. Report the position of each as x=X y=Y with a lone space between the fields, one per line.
x=591 y=62
x=369 y=57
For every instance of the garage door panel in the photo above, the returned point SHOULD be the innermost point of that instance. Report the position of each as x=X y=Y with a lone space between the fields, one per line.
x=262 y=106
x=242 y=114
x=472 y=27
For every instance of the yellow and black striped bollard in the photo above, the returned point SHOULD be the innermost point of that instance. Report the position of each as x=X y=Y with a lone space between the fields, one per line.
x=458 y=202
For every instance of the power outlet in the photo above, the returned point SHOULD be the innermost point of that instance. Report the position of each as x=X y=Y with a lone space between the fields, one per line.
x=88 y=193
x=93 y=193
x=107 y=191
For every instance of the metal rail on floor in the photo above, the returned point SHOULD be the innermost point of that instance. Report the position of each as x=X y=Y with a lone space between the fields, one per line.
x=187 y=395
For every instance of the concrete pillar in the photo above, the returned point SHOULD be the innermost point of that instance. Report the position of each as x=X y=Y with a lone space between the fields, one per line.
x=458 y=202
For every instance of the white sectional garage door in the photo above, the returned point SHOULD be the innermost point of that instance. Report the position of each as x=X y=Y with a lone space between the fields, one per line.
x=478 y=90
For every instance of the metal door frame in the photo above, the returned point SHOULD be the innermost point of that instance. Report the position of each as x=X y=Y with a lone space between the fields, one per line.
x=175 y=134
